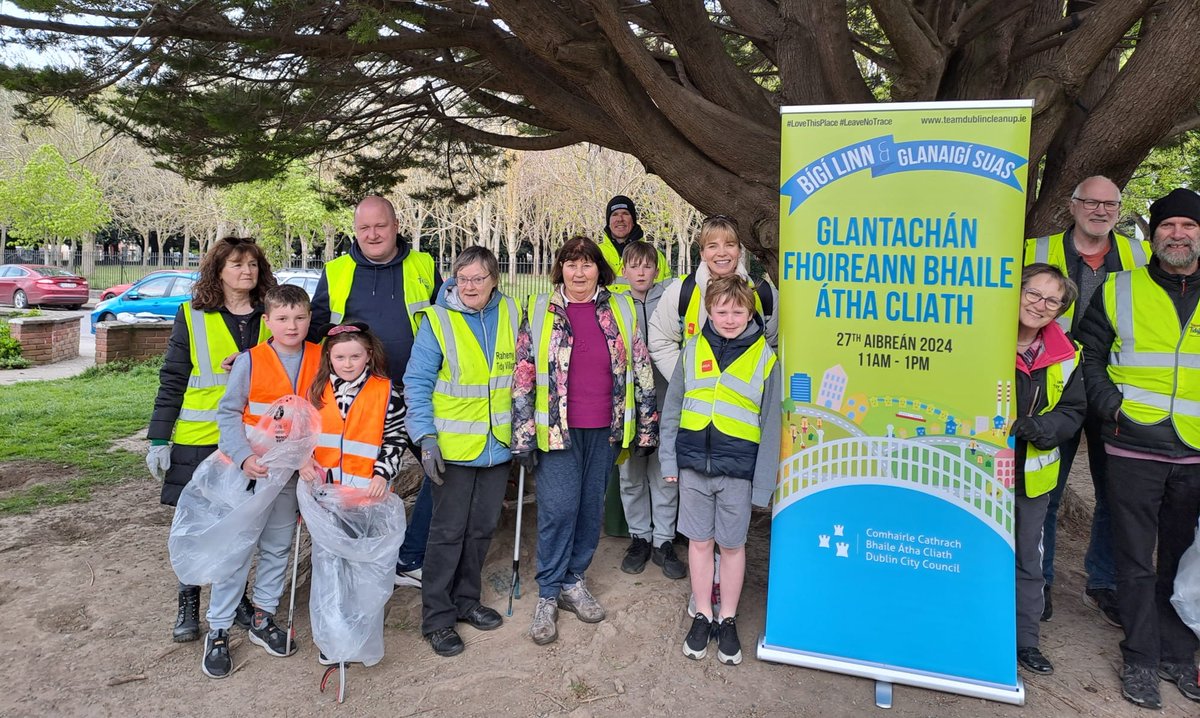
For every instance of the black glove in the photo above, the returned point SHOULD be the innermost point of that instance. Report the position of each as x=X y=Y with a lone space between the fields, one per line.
x=527 y=460
x=1027 y=428
x=644 y=450
x=431 y=459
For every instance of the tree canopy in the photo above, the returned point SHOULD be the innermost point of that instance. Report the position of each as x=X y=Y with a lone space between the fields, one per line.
x=233 y=90
x=47 y=200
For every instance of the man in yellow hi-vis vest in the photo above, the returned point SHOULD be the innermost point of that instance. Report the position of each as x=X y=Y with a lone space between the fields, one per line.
x=1141 y=334
x=1087 y=252
x=384 y=282
x=620 y=229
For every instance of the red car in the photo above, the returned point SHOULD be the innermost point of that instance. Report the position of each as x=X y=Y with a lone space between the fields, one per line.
x=120 y=288
x=30 y=285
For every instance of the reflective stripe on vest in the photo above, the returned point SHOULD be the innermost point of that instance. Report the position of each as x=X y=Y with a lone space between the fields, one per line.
x=541 y=326
x=473 y=396
x=1042 y=466
x=691 y=316
x=209 y=343
x=730 y=400
x=269 y=380
x=608 y=249
x=1131 y=254
x=417 y=268
x=350 y=447
x=1152 y=362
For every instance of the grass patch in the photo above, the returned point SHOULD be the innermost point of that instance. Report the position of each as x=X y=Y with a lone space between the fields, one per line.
x=73 y=421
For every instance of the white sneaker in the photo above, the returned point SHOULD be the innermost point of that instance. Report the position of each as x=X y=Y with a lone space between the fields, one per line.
x=409 y=578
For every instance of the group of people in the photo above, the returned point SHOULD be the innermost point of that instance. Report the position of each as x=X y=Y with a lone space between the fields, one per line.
x=1108 y=347
x=470 y=380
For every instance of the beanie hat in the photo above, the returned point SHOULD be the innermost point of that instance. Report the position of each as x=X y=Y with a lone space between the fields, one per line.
x=1179 y=203
x=620 y=202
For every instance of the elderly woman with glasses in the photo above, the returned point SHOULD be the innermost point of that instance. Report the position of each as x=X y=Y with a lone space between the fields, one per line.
x=457 y=387
x=1051 y=404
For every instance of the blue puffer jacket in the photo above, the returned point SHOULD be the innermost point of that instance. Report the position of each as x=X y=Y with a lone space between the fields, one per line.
x=426 y=361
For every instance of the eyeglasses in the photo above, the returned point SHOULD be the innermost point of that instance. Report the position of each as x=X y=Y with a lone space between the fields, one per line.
x=1108 y=205
x=721 y=218
x=235 y=241
x=1033 y=296
x=473 y=281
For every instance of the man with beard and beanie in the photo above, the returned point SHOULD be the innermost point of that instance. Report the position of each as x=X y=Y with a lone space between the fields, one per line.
x=621 y=228
x=1141 y=344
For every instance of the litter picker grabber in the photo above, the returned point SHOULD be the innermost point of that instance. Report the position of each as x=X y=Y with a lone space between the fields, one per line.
x=514 y=590
x=291 y=632
x=341 y=671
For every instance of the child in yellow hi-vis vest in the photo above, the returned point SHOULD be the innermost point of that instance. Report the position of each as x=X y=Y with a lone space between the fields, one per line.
x=719 y=438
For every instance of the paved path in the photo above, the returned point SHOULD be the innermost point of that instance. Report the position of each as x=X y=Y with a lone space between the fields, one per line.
x=63 y=369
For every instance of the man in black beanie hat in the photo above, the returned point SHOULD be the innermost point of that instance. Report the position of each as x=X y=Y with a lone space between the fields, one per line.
x=1141 y=345
x=620 y=228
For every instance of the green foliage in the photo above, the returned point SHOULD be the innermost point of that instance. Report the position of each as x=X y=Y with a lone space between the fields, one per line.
x=47 y=200
x=10 y=350
x=1168 y=166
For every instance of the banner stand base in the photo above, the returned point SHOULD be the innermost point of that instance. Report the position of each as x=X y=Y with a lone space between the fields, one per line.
x=883 y=694
x=885 y=676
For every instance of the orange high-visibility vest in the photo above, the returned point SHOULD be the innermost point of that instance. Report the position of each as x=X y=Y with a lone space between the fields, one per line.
x=350 y=447
x=269 y=380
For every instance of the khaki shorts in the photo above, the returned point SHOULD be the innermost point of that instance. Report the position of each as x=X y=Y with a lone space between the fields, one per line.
x=714 y=507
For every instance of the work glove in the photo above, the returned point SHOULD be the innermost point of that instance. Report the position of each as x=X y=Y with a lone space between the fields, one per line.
x=431 y=459
x=158 y=460
x=527 y=460
x=1029 y=429
x=644 y=451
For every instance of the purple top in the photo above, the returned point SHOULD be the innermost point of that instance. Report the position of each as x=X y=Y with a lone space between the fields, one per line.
x=589 y=376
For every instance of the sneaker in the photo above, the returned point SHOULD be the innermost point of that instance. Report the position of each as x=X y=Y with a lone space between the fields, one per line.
x=325 y=661
x=409 y=577
x=1103 y=600
x=636 y=556
x=1183 y=675
x=216 y=662
x=187 y=621
x=665 y=556
x=695 y=646
x=1047 y=604
x=274 y=640
x=577 y=599
x=1139 y=685
x=729 y=648
x=545 y=617
x=244 y=612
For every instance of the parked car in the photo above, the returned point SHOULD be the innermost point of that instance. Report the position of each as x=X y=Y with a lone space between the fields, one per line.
x=306 y=279
x=31 y=285
x=158 y=295
x=120 y=288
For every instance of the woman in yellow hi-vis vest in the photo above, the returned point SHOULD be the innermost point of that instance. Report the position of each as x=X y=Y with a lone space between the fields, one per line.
x=1051 y=403
x=458 y=387
x=582 y=392
x=223 y=318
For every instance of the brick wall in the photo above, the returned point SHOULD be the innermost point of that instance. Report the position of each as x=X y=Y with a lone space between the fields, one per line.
x=115 y=340
x=45 y=340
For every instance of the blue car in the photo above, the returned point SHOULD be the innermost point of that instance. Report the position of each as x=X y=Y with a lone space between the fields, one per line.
x=160 y=295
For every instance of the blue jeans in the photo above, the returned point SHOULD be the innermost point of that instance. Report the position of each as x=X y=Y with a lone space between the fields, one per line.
x=570 y=500
x=1098 y=562
x=416 y=535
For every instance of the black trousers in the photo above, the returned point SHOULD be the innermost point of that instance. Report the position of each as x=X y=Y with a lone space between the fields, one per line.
x=466 y=508
x=1152 y=504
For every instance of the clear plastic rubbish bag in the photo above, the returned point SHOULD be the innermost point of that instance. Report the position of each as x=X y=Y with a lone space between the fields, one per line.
x=354 y=545
x=221 y=513
x=1186 y=598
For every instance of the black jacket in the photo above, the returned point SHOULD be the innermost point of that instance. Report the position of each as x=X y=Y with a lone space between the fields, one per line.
x=1098 y=335
x=1046 y=431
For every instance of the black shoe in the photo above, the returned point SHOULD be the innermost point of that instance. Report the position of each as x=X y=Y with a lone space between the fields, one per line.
x=636 y=556
x=1183 y=675
x=729 y=648
x=695 y=646
x=665 y=556
x=1139 y=685
x=274 y=640
x=324 y=661
x=1047 y=604
x=482 y=618
x=244 y=612
x=446 y=642
x=1032 y=659
x=187 y=621
x=1103 y=600
x=216 y=662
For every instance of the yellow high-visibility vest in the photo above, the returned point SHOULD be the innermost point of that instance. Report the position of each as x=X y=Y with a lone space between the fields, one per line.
x=1051 y=250
x=418 y=284
x=209 y=343
x=730 y=400
x=1041 y=467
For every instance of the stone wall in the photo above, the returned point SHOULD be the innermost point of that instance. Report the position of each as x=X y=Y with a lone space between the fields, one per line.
x=45 y=340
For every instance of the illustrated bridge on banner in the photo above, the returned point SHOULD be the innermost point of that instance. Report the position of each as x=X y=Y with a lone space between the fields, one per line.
x=899 y=462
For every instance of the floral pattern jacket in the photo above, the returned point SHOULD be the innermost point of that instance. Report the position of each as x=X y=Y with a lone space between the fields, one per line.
x=524 y=387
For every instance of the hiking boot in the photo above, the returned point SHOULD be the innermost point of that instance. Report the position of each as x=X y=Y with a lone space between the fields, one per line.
x=665 y=556
x=1031 y=658
x=216 y=662
x=544 y=629
x=729 y=648
x=408 y=577
x=695 y=646
x=1047 y=604
x=1183 y=675
x=274 y=640
x=1139 y=685
x=187 y=621
x=244 y=612
x=446 y=642
x=1103 y=600
x=577 y=599
x=636 y=556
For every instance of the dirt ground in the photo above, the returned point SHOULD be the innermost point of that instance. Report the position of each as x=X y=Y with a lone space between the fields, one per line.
x=87 y=600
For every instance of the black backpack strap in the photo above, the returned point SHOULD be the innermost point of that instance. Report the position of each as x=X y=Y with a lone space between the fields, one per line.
x=763 y=288
x=685 y=293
